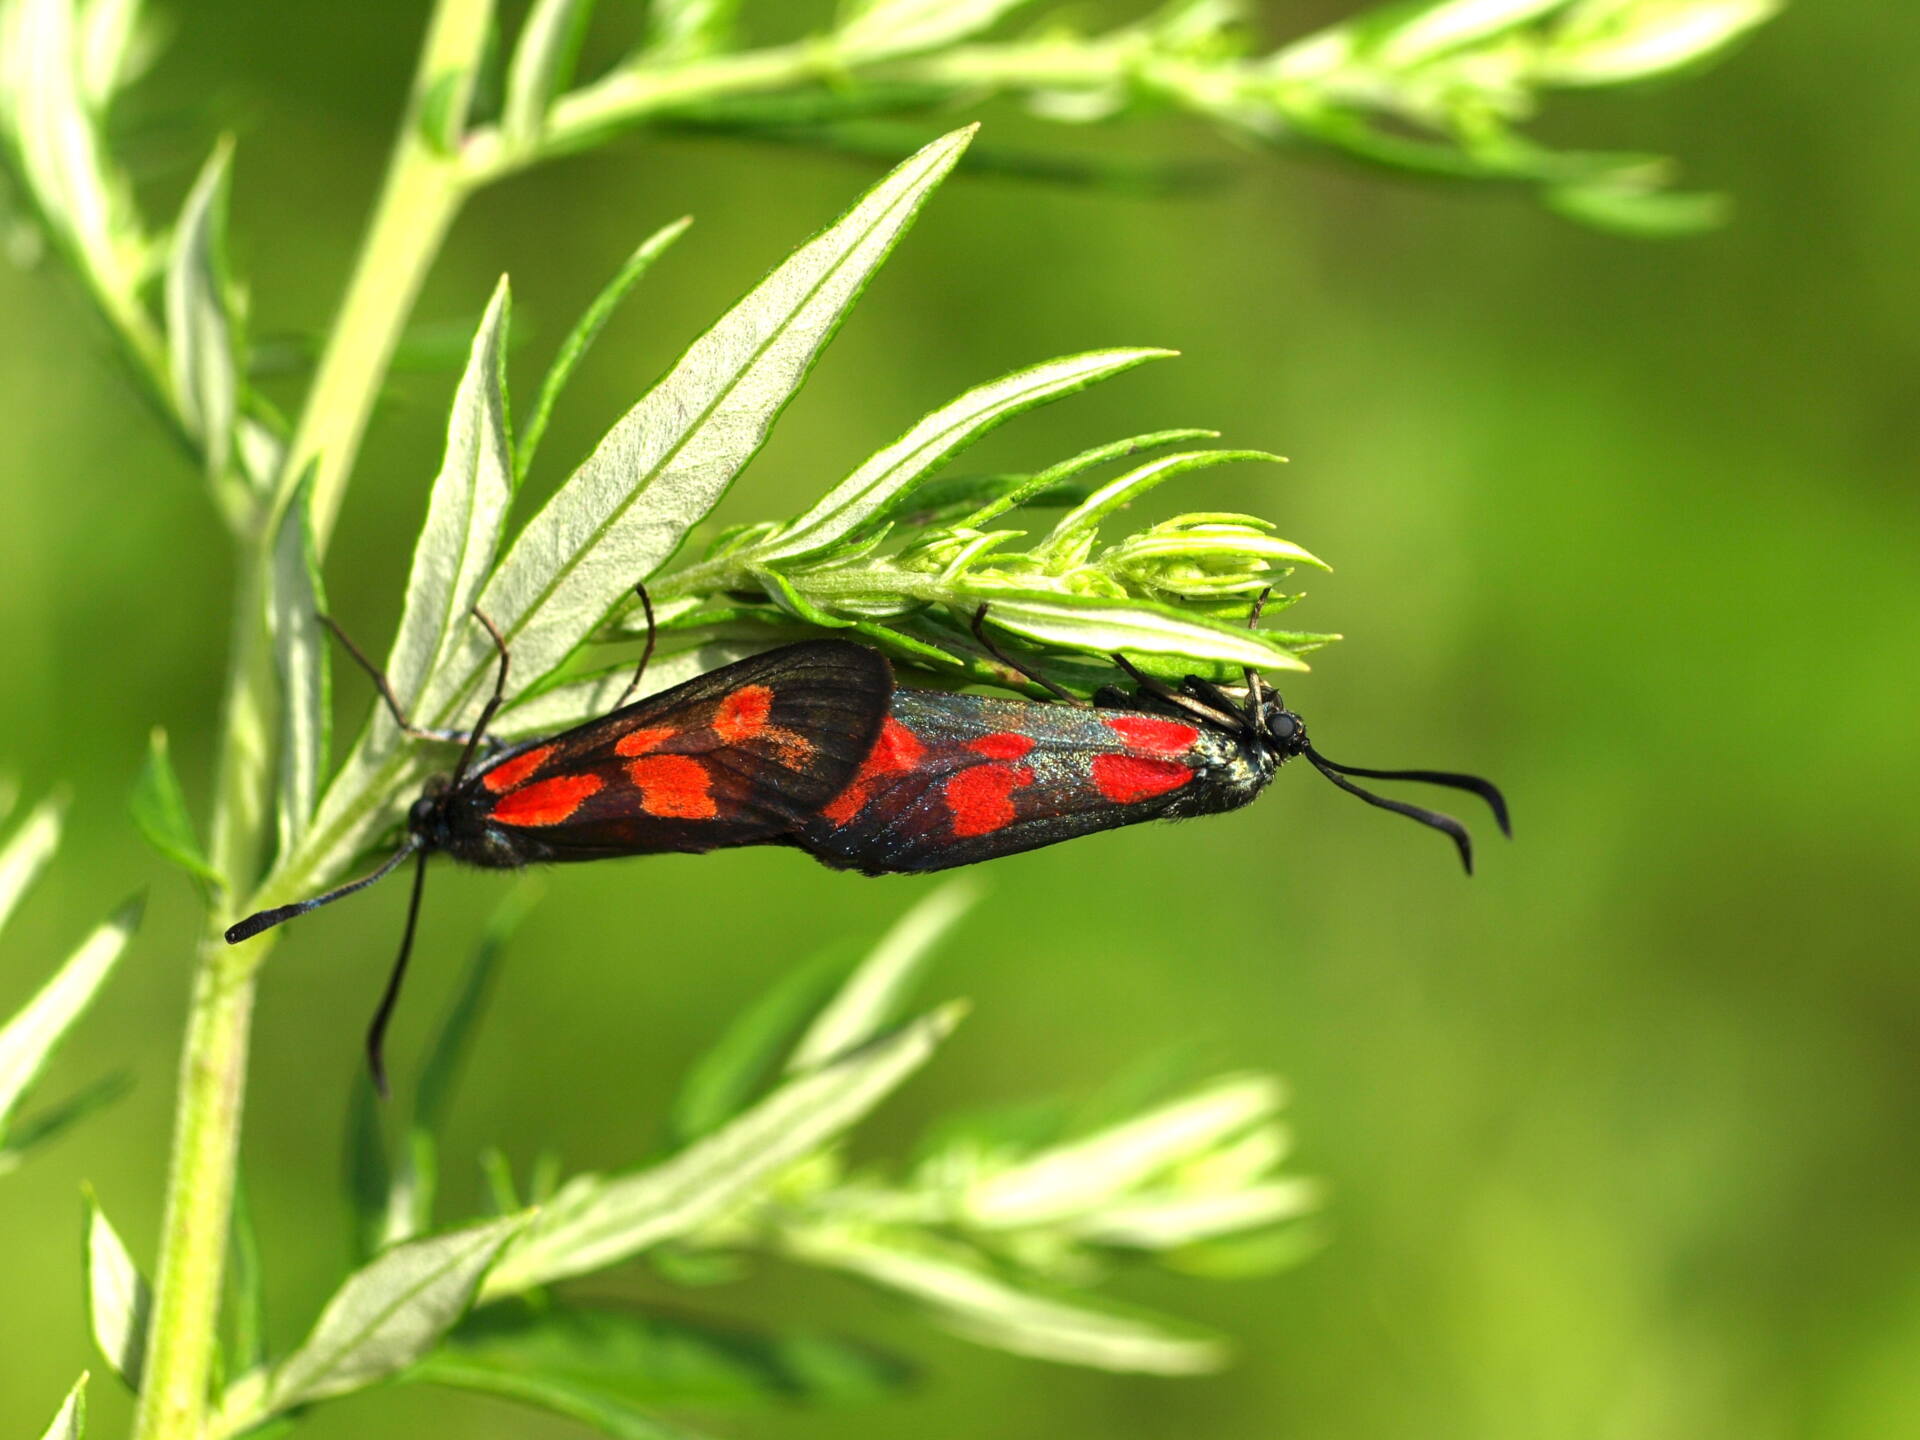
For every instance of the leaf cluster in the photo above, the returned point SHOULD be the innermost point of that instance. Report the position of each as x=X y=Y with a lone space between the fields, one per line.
x=999 y=1231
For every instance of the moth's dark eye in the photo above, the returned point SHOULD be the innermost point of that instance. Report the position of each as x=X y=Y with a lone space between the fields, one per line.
x=1285 y=727
x=421 y=814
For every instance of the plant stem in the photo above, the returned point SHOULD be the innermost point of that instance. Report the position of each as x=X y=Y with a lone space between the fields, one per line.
x=423 y=191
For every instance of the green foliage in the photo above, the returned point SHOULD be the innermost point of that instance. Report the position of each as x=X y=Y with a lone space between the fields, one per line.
x=30 y=1037
x=1003 y=1236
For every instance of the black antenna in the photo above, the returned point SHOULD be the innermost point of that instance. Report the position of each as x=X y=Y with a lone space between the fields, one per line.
x=377 y=1031
x=266 y=919
x=1446 y=824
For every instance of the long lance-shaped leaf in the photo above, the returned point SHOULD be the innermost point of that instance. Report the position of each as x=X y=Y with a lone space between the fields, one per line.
x=387 y=1314
x=872 y=995
x=885 y=479
x=119 y=1300
x=595 y=1221
x=658 y=471
x=1085 y=517
x=27 y=852
x=992 y=1309
x=300 y=656
x=671 y=457
x=201 y=334
x=29 y=1039
x=465 y=517
x=71 y=1422
x=1084 y=1174
x=542 y=64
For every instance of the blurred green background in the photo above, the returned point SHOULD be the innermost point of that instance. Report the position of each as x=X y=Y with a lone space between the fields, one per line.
x=1620 y=1135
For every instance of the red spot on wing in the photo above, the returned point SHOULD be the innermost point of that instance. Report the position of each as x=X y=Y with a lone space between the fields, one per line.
x=743 y=714
x=1003 y=745
x=981 y=799
x=639 y=742
x=897 y=751
x=1125 y=779
x=510 y=772
x=1149 y=732
x=675 y=786
x=546 y=802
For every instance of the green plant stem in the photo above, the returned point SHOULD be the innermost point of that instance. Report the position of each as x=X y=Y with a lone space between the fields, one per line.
x=205 y=1159
x=424 y=188
x=423 y=191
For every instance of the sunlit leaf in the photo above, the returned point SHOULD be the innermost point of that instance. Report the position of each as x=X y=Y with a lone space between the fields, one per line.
x=1073 y=468
x=119 y=1300
x=26 y=854
x=109 y=48
x=1168 y=1221
x=1085 y=518
x=1007 y=1313
x=1079 y=1176
x=28 y=1040
x=71 y=1422
x=49 y=1122
x=202 y=334
x=886 y=479
x=542 y=64
x=302 y=660
x=595 y=1221
x=687 y=29
x=874 y=995
x=887 y=28
x=388 y=1314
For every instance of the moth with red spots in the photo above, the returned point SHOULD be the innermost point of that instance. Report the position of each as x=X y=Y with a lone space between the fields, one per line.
x=739 y=756
x=956 y=779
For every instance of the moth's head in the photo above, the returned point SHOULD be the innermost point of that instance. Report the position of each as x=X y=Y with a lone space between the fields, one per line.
x=1284 y=732
x=426 y=818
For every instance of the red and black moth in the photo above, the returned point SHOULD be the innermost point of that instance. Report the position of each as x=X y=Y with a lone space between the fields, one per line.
x=739 y=756
x=810 y=745
x=955 y=779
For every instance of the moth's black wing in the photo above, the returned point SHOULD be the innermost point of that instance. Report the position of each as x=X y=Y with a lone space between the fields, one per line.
x=737 y=756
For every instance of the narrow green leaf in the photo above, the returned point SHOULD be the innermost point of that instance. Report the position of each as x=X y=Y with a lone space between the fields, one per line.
x=365 y=1168
x=419 y=1175
x=1166 y=1222
x=879 y=29
x=595 y=1221
x=1073 y=468
x=50 y=1122
x=301 y=658
x=71 y=1422
x=874 y=994
x=671 y=457
x=1616 y=44
x=689 y=29
x=886 y=479
x=388 y=1314
x=1085 y=1174
x=109 y=32
x=498 y=1174
x=1085 y=518
x=29 y=1039
x=202 y=334
x=1134 y=626
x=26 y=854
x=466 y=513
x=724 y=1081
x=580 y=339
x=159 y=808
x=119 y=1300
x=440 y=1072
x=609 y=1367
x=1001 y=1311
x=560 y=1393
x=542 y=64
x=1407 y=37
x=246 y=1284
